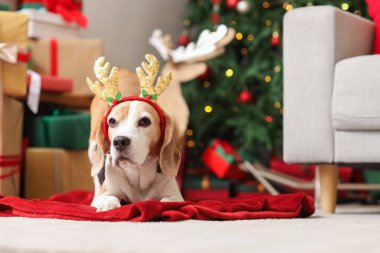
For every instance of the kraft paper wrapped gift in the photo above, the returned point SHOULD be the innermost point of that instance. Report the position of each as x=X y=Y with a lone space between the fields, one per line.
x=13 y=55
x=11 y=115
x=43 y=24
x=72 y=58
x=53 y=170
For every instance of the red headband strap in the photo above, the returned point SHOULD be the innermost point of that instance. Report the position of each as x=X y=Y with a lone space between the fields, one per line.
x=134 y=98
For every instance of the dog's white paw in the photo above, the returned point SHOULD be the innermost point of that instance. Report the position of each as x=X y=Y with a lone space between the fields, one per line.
x=106 y=203
x=172 y=199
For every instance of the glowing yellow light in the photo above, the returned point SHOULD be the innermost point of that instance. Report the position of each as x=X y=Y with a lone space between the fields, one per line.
x=284 y=5
x=229 y=72
x=206 y=84
x=190 y=143
x=250 y=37
x=345 y=6
x=289 y=7
x=239 y=36
x=266 y=5
x=244 y=51
x=277 y=68
x=277 y=105
x=208 y=109
x=186 y=22
x=268 y=22
x=189 y=132
x=268 y=79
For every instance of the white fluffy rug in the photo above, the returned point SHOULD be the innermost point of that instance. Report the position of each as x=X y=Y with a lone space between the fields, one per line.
x=352 y=229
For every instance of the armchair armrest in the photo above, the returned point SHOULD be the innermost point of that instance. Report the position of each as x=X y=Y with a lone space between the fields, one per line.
x=315 y=39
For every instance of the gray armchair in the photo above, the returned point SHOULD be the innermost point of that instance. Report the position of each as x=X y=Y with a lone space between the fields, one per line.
x=331 y=93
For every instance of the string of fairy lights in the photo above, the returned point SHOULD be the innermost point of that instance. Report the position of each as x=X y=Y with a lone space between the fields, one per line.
x=245 y=96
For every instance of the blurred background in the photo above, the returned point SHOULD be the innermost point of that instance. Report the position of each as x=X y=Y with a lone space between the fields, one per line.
x=231 y=112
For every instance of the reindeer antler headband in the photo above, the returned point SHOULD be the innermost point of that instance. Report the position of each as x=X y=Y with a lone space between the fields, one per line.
x=107 y=88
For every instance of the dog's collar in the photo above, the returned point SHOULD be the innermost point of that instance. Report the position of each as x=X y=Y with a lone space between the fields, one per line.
x=135 y=98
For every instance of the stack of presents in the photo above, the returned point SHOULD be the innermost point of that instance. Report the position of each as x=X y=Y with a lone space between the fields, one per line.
x=44 y=97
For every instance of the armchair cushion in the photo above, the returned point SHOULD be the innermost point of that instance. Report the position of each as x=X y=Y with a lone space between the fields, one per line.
x=356 y=94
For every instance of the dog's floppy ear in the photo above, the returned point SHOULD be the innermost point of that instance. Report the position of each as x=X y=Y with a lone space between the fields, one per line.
x=102 y=147
x=169 y=154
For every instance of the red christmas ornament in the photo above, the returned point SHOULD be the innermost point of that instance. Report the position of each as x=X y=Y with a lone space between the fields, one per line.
x=205 y=74
x=183 y=39
x=231 y=4
x=245 y=97
x=268 y=119
x=215 y=18
x=275 y=40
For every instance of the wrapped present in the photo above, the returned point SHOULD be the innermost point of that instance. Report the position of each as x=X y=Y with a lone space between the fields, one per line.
x=32 y=4
x=222 y=159
x=43 y=24
x=11 y=114
x=54 y=170
x=53 y=130
x=13 y=53
x=66 y=58
x=8 y=5
x=53 y=84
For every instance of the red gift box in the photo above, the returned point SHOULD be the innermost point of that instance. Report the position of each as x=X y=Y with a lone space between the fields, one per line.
x=54 y=83
x=222 y=159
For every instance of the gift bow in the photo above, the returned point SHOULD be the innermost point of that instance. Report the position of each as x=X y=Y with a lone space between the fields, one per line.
x=8 y=52
x=225 y=150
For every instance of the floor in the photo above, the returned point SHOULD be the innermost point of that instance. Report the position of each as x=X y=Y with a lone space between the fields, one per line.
x=351 y=229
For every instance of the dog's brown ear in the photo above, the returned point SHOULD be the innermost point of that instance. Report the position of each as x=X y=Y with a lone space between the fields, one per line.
x=102 y=147
x=169 y=154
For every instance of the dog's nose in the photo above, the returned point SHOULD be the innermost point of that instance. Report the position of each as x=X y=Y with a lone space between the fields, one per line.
x=121 y=142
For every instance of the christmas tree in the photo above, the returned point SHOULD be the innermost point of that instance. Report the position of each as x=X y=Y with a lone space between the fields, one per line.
x=239 y=97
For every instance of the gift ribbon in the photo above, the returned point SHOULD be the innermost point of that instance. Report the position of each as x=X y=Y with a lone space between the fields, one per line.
x=34 y=91
x=225 y=150
x=227 y=157
x=9 y=161
x=53 y=57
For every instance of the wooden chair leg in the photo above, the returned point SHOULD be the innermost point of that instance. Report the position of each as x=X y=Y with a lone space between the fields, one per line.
x=328 y=177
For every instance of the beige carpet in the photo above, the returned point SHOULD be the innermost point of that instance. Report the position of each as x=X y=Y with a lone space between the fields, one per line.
x=352 y=229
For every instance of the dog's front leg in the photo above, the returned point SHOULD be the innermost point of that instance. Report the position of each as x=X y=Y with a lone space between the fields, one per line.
x=107 y=199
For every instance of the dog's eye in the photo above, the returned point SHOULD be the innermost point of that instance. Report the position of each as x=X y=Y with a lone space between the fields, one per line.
x=112 y=122
x=144 y=122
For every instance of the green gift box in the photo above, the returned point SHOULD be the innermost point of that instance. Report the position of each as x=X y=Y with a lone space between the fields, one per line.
x=69 y=130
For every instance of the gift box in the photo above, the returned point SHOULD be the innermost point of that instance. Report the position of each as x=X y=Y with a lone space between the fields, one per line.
x=53 y=170
x=43 y=24
x=68 y=59
x=14 y=56
x=11 y=113
x=53 y=84
x=62 y=129
x=8 y=5
x=223 y=160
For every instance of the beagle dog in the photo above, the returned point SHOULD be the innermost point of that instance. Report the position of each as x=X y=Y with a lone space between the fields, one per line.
x=134 y=156
x=138 y=164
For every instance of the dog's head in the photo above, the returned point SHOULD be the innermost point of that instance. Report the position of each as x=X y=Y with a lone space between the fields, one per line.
x=135 y=138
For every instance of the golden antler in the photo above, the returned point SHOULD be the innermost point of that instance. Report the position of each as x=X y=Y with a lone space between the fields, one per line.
x=108 y=88
x=147 y=74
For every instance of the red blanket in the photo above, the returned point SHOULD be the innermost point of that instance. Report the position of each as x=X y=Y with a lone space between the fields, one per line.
x=75 y=206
